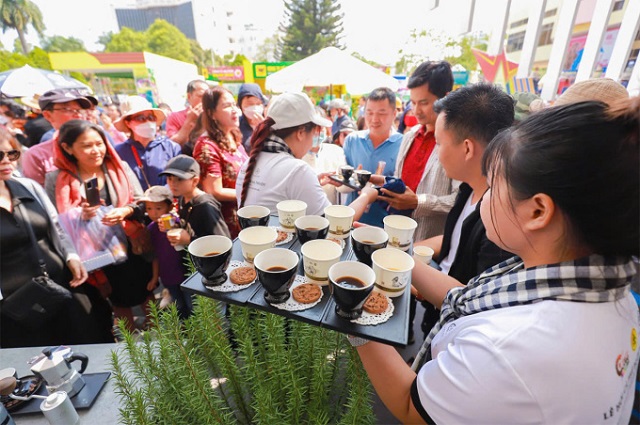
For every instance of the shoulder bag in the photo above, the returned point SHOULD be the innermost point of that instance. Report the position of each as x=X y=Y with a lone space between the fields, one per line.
x=40 y=298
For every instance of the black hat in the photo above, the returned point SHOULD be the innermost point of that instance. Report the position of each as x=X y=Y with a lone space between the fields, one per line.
x=86 y=94
x=62 y=96
x=346 y=126
x=182 y=166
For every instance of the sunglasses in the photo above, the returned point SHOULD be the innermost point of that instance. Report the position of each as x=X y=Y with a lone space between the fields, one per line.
x=13 y=155
x=143 y=118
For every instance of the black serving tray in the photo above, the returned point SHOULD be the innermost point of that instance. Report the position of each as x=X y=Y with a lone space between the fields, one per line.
x=395 y=331
x=94 y=382
x=351 y=183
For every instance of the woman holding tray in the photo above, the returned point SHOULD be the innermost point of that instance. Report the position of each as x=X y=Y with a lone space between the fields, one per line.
x=275 y=170
x=549 y=336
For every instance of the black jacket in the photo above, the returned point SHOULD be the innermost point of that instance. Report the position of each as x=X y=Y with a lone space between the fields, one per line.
x=475 y=253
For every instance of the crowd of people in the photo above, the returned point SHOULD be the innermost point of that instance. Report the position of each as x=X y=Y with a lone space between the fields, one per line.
x=531 y=210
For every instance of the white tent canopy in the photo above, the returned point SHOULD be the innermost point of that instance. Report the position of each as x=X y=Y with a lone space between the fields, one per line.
x=330 y=66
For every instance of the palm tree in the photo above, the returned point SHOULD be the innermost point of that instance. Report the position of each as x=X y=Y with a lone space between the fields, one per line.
x=18 y=15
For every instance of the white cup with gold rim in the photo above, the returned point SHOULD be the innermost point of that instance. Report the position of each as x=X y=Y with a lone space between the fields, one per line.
x=317 y=258
x=393 y=270
x=289 y=211
x=254 y=240
x=340 y=220
x=400 y=229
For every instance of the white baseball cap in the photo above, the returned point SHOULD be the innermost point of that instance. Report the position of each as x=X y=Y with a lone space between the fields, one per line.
x=294 y=109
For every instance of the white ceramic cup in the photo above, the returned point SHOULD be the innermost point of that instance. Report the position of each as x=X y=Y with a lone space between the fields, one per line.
x=400 y=230
x=423 y=254
x=289 y=211
x=256 y=239
x=393 y=270
x=318 y=256
x=340 y=220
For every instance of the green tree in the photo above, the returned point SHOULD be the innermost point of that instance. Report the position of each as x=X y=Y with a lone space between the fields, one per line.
x=38 y=58
x=365 y=60
x=201 y=57
x=309 y=26
x=127 y=40
x=58 y=43
x=436 y=45
x=18 y=15
x=465 y=56
x=105 y=39
x=233 y=60
x=167 y=40
x=269 y=50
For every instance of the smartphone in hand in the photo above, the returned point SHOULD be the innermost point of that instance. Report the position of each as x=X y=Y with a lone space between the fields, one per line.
x=92 y=191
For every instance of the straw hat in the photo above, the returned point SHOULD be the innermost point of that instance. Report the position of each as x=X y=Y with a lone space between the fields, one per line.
x=603 y=89
x=134 y=105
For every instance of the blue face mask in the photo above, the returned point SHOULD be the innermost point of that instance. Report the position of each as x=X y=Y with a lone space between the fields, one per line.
x=317 y=140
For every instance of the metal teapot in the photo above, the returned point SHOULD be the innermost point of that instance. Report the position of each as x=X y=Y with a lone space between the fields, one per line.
x=54 y=366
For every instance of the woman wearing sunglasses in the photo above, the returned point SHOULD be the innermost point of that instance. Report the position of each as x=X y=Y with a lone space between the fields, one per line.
x=19 y=261
x=146 y=151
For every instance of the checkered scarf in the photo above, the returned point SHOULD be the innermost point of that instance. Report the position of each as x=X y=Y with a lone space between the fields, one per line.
x=274 y=144
x=593 y=279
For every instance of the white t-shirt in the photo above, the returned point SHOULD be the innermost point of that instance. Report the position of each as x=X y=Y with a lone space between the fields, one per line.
x=278 y=177
x=549 y=362
x=446 y=262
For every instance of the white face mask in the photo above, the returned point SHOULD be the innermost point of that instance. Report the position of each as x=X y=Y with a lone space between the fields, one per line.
x=249 y=110
x=146 y=130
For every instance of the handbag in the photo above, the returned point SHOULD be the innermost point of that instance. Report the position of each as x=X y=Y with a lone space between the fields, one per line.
x=40 y=299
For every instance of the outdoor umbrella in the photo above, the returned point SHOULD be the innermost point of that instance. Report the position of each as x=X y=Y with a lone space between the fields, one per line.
x=330 y=66
x=28 y=81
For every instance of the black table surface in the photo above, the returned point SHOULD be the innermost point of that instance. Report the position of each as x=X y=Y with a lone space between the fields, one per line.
x=394 y=331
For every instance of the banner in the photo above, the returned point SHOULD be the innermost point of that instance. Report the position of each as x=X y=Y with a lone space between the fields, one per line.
x=226 y=73
x=263 y=69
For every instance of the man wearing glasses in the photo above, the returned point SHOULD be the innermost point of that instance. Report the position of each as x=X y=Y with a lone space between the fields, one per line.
x=58 y=106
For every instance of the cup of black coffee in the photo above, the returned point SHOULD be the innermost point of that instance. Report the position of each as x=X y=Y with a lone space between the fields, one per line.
x=366 y=240
x=276 y=268
x=363 y=177
x=351 y=283
x=310 y=227
x=210 y=255
x=253 y=215
x=346 y=171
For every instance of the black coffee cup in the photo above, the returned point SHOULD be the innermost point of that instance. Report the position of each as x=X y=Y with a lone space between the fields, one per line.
x=253 y=215
x=363 y=177
x=276 y=268
x=366 y=240
x=210 y=255
x=310 y=227
x=346 y=171
x=350 y=283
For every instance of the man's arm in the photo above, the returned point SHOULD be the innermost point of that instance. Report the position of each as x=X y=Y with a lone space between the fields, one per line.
x=429 y=204
x=181 y=135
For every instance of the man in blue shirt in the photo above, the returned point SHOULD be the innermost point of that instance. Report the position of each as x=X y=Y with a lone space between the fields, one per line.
x=380 y=142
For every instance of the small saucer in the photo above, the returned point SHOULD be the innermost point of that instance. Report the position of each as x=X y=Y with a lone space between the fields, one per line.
x=27 y=386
